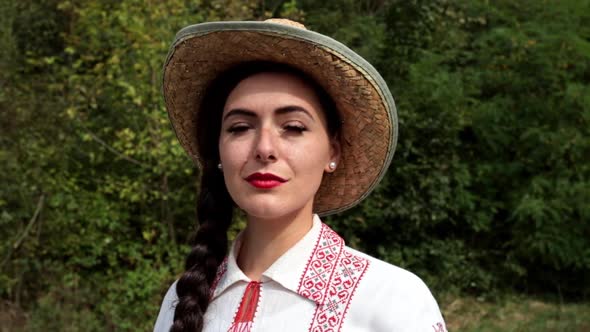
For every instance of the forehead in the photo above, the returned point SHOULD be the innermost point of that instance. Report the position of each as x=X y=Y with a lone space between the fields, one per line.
x=273 y=90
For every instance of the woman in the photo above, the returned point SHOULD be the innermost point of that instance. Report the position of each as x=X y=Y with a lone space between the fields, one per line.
x=286 y=124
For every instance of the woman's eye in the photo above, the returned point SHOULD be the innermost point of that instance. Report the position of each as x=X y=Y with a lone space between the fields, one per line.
x=295 y=128
x=238 y=129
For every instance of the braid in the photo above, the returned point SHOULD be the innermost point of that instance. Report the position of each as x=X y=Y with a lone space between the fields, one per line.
x=215 y=211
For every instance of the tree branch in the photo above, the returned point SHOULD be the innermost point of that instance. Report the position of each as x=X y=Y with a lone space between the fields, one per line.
x=25 y=232
x=113 y=150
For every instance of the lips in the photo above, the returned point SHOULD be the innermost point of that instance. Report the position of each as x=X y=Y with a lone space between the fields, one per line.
x=265 y=180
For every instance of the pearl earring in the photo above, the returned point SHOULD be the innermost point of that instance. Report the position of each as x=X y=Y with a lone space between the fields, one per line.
x=219 y=166
x=332 y=165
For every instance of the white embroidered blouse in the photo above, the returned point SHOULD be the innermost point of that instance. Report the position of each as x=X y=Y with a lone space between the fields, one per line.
x=318 y=285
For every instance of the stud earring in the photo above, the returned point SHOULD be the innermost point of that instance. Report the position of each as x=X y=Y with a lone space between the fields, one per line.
x=332 y=165
x=219 y=166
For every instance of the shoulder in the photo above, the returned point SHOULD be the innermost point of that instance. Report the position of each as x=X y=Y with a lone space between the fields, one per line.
x=388 y=276
x=166 y=315
x=395 y=299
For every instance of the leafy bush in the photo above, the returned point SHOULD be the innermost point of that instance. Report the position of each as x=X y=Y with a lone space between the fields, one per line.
x=488 y=190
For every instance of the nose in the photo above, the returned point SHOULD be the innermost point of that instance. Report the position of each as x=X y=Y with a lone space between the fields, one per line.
x=265 y=146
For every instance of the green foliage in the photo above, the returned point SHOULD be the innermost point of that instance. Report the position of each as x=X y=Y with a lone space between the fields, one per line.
x=488 y=190
x=489 y=187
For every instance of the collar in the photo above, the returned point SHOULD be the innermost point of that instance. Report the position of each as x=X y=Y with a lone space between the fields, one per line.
x=291 y=270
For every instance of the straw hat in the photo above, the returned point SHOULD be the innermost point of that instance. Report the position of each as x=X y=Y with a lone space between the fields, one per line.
x=201 y=52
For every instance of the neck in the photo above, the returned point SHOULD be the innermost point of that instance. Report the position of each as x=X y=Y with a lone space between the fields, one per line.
x=265 y=240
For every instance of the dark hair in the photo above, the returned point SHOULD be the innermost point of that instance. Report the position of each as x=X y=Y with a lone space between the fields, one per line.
x=215 y=205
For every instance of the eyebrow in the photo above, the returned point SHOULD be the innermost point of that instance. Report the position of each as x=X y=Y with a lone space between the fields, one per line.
x=239 y=111
x=278 y=111
x=293 y=108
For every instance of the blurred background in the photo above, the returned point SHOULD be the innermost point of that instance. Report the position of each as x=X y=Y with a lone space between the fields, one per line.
x=487 y=198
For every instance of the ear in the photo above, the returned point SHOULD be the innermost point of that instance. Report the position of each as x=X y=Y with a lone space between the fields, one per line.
x=335 y=153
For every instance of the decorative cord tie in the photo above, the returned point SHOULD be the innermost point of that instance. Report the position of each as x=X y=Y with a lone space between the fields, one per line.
x=247 y=309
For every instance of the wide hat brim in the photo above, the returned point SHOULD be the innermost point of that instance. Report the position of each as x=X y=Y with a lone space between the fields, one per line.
x=201 y=52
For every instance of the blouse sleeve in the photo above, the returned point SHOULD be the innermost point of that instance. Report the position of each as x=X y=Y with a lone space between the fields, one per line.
x=428 y=316
x=422 y=311
x=398 y=300
x=166 y=315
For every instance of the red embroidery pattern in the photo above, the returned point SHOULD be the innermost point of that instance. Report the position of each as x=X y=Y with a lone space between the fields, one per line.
x=330 y=279
x=241 y=327
x=220 y=272
x=440 y=327
x=244 y=317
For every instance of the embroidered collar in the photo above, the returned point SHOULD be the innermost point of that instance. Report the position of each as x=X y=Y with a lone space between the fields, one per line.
x=317 y=267
x=286 y=270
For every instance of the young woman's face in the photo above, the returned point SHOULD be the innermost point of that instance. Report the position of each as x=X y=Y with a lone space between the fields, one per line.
x=274 y=145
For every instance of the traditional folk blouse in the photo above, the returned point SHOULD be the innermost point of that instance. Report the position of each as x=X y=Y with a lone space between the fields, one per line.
x=318 y=285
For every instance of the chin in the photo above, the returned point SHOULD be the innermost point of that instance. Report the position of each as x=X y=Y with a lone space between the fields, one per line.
x=270 y=210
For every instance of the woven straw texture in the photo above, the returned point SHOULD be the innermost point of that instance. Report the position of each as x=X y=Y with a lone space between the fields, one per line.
x=369 y=128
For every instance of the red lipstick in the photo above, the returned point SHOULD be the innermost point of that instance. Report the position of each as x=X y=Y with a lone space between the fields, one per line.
x=265 y=180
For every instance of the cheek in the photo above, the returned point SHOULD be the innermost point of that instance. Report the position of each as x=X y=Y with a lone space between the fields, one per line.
x=230 y=148
x=310 y=158
x=232 y=155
